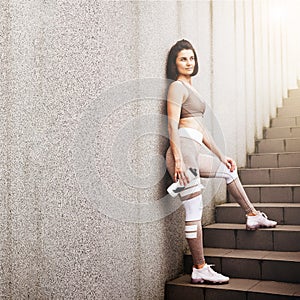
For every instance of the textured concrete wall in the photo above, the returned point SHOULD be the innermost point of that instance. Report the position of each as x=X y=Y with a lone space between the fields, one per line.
x=58 y=58
x=83 y=212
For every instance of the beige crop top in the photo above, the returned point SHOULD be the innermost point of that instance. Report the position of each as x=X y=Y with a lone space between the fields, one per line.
x=193 y=106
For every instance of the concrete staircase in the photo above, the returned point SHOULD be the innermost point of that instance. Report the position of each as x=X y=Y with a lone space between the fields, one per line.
x=263 y=264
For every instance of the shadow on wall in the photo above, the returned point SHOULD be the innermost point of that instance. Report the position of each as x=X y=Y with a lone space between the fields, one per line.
x=133 y=151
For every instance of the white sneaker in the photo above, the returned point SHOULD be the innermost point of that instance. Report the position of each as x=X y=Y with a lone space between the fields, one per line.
x=207 y=274
x=260 y=220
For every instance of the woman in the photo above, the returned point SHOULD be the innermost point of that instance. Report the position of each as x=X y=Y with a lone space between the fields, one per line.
x=186 y=164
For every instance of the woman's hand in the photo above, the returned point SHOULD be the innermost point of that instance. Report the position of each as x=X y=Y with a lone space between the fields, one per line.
x=180 y=175
x=229 y=163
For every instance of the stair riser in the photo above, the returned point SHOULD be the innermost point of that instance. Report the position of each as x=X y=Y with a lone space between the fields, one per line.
x=288 y=111
x=270 y=176
x=252 y=240
x=181 y=292
x=260 y=269
x=283 y=194
x=285 y=121
x=191 y=292
x=293 y=101
x=236 y=215
x=275 y=133
x=294 y=93
x=278 y=145
x=274 y=160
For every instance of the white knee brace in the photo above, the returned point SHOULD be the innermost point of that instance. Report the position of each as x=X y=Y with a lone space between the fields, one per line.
x=193 y=186
x=193 y=208
x=224 y=172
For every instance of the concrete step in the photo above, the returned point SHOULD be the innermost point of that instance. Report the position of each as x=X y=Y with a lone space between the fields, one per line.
x=282 y=132
x=235 y=236
x=251 y=264
x=237 y=289
x=283 y=213
x=294 y=93
x=278 y=145
x=272 y=193
x=285 y=175
x=288 y=111
x=274 y=160
x=292 y=101
x=285 y=121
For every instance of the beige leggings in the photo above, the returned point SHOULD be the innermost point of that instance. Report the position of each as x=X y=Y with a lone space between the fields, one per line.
x=208 y=166
x=193 y=157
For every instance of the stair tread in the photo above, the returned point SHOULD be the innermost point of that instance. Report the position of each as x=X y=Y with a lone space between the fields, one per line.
x=263 y=204
x=281 y=127
x=269 y=168
x=226 y=226
x=251 y=254
x=282 y=138
x=272 y=185
x=241 y=284
x=283 y=117
x=277 y=153
x=274 y=153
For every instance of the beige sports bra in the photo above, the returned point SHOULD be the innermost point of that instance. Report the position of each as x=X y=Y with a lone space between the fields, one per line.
x=193 y=106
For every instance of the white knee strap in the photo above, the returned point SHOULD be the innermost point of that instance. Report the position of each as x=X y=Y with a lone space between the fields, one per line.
x=193 y=208
x=192 y=187
x=224 y=172
x=176 y=188
x=191 y=231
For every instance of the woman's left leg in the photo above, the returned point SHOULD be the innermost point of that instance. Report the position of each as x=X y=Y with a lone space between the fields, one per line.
x=191 y=198
x=192 y=202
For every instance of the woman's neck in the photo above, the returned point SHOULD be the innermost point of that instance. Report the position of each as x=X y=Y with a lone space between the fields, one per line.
x=187 y=79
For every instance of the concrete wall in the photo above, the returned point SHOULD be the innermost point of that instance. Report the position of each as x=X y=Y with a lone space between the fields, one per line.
x=83 y=212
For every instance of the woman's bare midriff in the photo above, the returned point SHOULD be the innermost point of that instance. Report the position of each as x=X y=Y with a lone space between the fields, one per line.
x=192 y=122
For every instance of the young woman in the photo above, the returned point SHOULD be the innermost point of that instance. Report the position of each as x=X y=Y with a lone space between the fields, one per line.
x=187 y=134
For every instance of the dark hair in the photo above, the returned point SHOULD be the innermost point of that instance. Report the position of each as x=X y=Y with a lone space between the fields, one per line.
x=171 y=70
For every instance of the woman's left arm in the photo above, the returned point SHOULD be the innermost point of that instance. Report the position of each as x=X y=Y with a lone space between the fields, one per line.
x=209 y=142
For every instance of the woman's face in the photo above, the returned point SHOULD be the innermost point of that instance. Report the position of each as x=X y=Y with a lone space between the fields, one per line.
x=185 y=62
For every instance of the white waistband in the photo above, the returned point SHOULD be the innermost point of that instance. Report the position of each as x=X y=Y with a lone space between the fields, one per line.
x=191 y=133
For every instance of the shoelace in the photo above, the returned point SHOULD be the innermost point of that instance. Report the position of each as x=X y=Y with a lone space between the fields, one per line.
x=264 y=215
x=211 y=270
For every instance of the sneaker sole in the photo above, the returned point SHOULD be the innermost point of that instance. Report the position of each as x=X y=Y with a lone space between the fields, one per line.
x=195 y=281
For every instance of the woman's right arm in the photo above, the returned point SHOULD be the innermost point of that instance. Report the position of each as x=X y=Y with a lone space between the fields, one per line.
x=176 y=96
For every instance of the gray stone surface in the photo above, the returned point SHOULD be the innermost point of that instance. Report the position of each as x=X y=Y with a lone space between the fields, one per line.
x=56 y=241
